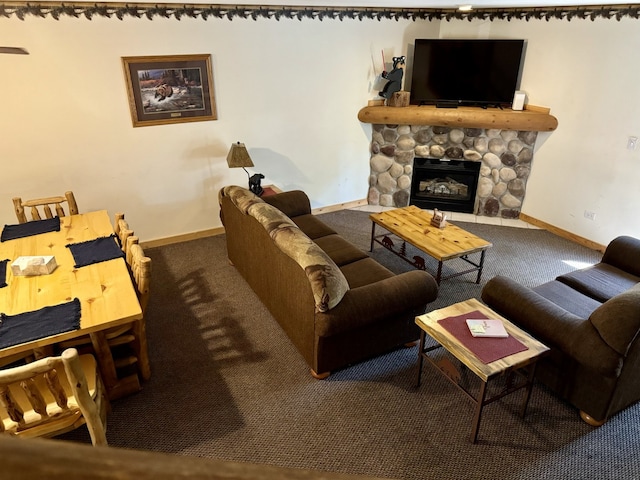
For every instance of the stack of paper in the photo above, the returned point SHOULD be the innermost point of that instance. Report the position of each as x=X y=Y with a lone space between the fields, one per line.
x=487 y=328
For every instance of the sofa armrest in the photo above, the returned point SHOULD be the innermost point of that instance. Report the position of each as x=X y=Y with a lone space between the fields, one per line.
x=618 y=321
x=408 y=292
x=624 y=253
x=292 y=203
x=551 y=324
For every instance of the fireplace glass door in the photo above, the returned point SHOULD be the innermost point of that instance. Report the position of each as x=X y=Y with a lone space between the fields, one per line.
x=448 y=185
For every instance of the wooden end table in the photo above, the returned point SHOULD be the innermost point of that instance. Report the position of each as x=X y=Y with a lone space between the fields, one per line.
x=413 y=225
x=270 y=190
x=429 y=325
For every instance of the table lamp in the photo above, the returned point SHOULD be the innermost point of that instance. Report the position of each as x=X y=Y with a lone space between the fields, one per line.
x=239 y=157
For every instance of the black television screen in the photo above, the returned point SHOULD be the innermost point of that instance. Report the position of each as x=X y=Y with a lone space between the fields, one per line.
x=454 y=72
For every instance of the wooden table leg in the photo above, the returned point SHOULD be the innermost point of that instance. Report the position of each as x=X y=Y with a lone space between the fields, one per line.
x=373 y=234
x=439 y=274
x=480 y=266
x=104 y=359
x=43 y=352
x=142 y=349
x=116 y=388
x=530 y=377
x=478 y=415
x=420 y=357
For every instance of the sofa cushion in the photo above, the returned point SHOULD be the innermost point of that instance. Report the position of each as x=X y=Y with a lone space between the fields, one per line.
x=573 y=335
x=328 y=284
x=291 y=203
x=340 y=251
x=312 y=227
x=365 y=272
x=601 y=281
x=618 y=320
x=372 y=304
x=566 y=297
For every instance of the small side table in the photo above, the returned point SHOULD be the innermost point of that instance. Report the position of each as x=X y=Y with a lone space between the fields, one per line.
x=270 y=190
x=429 y=325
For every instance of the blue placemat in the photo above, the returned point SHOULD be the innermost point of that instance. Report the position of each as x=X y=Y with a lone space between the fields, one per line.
x=35 y=227
x=95 y=251
x=3 y=273
x=47 y=321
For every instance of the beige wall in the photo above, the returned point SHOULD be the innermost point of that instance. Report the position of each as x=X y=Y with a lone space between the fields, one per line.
x=290 y=90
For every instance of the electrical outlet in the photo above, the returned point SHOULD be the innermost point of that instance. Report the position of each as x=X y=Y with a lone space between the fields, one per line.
x=589 y=215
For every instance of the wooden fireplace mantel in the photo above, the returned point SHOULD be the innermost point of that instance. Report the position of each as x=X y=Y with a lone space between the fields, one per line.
x=532 y=119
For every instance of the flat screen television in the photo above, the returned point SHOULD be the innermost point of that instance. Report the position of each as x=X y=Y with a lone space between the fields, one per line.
x=452 y=72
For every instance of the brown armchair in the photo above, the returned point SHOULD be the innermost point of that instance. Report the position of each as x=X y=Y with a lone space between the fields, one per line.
x=590 y=319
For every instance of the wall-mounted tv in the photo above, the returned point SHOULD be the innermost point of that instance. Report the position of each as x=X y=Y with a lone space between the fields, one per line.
x=452 y=72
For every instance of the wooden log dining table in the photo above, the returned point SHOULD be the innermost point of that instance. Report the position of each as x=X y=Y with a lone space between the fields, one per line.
x=105 y=291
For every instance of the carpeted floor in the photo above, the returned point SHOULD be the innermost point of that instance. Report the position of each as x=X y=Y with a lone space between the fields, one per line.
x=227 y=383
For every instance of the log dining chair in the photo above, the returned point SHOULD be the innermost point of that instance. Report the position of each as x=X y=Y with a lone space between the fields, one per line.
x=125 y=236
x=52 y=396
x=40 y=208
x=122 y=230
x=128 y=343
x=141 y=274
x=129 y=347
x=121 y=334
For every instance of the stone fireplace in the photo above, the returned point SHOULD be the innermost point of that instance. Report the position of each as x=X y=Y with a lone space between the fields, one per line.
x=504 y=158
x=500 y=143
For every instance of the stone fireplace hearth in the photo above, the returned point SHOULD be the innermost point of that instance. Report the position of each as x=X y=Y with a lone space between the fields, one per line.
x=505 y=157
x=501 y=140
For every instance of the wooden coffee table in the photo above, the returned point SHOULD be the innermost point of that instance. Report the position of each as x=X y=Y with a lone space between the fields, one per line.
x=413 y=225
x=429 y=325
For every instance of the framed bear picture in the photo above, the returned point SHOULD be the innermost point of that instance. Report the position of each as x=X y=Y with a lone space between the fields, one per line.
x=170 y=89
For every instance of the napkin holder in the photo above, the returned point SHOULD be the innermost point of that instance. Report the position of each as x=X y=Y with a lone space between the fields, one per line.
x=35 y=265
x=439 y=219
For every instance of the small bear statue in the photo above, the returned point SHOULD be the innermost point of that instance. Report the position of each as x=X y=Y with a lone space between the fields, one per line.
x=395 y=78
x=254 y=183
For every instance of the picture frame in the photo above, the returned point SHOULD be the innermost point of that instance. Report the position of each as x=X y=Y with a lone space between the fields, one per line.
x=166 y=89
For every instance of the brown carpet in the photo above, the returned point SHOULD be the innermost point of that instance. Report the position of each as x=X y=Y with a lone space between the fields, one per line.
x=227 y=383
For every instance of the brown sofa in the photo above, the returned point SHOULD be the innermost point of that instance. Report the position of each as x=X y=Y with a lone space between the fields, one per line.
x=337 y=305
x=590 y=318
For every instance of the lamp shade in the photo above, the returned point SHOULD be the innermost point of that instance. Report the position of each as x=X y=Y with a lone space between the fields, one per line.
x=238 y=156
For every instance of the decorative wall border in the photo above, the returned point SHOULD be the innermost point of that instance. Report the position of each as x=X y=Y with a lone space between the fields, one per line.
x=120 y=11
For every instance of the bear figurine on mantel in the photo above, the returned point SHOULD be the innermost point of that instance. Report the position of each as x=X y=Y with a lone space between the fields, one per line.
x=392 y=90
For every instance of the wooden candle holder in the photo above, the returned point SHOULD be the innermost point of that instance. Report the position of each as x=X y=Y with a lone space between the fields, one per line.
x=439 y=219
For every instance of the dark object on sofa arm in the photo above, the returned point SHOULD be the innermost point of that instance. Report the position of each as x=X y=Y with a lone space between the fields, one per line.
x=590 y=318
